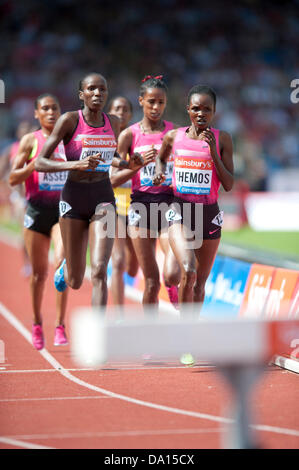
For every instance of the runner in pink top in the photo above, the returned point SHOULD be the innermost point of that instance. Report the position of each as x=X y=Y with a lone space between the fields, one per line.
x=42 y=213
x=87 y=205
x=150 y=203
x=203 y=159
x=194 y=178
x=45 y=188
x=142 y=180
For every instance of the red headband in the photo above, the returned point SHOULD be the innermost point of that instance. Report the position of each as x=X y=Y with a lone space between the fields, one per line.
x=148 y=77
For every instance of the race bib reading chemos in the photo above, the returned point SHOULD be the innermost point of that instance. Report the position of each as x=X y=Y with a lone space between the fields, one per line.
x=103 y=144
x=193 y=175
x=54 y=181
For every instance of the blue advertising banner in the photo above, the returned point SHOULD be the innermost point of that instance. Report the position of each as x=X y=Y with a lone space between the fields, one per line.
x=225 y=287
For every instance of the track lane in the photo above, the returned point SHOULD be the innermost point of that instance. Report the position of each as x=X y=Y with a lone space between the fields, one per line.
x=103 y=423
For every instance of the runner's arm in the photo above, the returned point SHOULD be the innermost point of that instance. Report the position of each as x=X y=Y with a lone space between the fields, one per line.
x=63 y=128
x=21 y=170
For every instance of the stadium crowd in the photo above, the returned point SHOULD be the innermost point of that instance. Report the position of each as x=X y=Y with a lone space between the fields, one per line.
x=247 y=51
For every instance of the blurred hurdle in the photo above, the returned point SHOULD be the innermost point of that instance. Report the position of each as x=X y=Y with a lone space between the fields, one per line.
x=239 y=348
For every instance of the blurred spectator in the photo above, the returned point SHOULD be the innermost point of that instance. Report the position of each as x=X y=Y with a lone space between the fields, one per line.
x=248 y=51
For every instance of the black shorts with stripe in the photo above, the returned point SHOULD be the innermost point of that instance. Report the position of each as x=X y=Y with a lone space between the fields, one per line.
x=148 y=211
x=41 y=218
x=203 y=219
x=81 y=200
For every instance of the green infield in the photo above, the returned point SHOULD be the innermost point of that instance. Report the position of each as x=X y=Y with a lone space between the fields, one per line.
x=283 y=243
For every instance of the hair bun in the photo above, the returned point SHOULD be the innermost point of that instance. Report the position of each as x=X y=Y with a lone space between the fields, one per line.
x=145 y=79
x=149 y=77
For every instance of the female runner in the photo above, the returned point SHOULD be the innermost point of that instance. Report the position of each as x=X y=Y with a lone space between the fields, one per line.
x=149 y=204
x=87 y=205
x=203 y=159
x=42 y=213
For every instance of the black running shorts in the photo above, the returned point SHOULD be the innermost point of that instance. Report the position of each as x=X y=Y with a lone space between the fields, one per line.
x=41 y=219
x=80 y=200
x=206 y=218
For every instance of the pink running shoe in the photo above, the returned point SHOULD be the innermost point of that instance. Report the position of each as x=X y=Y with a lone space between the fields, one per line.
x=60 y=338
x=173 y=294
x=37 y=337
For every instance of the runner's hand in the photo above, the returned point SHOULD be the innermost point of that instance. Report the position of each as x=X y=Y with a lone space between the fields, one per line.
x=90 y=162
x=150 y=155
x=136 y=161
x=208 y=136
x=158 y=179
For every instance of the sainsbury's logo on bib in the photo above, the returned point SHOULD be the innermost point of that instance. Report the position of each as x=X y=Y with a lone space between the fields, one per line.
x=193 y=163
x=98 y=142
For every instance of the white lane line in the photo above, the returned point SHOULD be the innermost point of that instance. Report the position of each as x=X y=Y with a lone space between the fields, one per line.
x=18 y=443
x=276 y=429
x=51 y=398
x=20 y=327
x=107 y=367
x=56 y=365
x=141 y=432
x=31 y=371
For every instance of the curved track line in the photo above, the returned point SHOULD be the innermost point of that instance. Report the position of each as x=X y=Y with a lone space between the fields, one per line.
x=18 y=443
x=56 y=365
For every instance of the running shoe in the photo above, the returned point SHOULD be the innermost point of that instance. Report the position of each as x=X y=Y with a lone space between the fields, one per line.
x=173 y=294
x=59 y=281
x=187 y=359
x=37 y=337
x=60 y=338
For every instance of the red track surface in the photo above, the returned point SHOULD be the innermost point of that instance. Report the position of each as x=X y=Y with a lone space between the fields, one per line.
x=45 y=406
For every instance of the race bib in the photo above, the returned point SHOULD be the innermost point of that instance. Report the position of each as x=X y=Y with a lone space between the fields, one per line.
x=104 y=144
x=193 y=175
x=54 y=181
x=147 y=172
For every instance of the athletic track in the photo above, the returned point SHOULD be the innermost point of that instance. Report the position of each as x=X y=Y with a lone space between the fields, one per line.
x=46 y=401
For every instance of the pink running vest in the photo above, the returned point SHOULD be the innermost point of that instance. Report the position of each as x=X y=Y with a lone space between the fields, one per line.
x=194 y=177
x=88 y=140
x=142 y=180
x=41 y=186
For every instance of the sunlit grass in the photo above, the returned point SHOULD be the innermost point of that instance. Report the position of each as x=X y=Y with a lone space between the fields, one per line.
x=276 y=242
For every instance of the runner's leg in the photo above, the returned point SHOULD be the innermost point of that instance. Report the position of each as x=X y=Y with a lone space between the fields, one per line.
x=74 y=234
x=37 y=246
x=61 y=297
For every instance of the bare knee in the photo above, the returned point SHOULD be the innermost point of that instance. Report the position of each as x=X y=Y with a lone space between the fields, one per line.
x=74 y=280
x=39 y=276
x=99 y=273
x=118 y=262
x=152 y=285
x=189 y=276
x=199 y=289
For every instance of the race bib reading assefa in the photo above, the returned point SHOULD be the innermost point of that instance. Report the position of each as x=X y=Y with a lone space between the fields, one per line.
x=56 y=180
